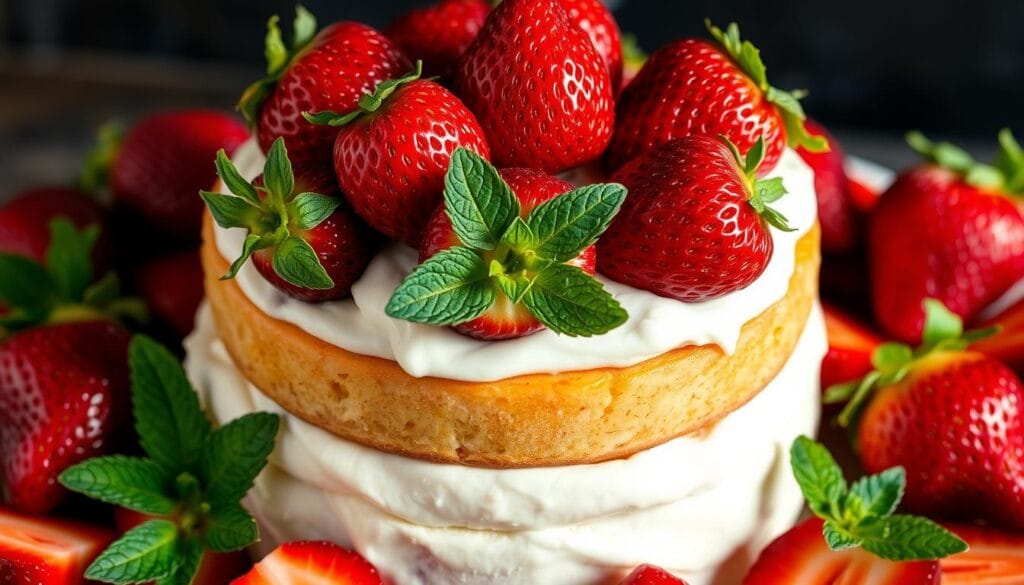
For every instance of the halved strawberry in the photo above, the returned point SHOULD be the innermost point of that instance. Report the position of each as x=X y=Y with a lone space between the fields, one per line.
x=46 y=551
x=651 y=575
x=995 y=558
x=1007 y=345
x=311 y=563
x=801 y=557
x=850 y=345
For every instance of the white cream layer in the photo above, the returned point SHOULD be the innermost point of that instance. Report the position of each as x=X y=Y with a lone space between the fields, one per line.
x=702 y=506
x=655 y=326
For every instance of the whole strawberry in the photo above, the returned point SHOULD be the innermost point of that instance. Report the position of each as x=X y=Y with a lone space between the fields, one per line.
x=597 y=21
x=696 y=223
x=511 y=253
x=541 y=91
x=328 y=71
x=694 y=86
x=393 y=150
x=952 y=418
x=25 y=221
x=841 y=222
x=951 y=229
x=172 y=287
x=164 y=159
x=440 y=33
x=302 y=237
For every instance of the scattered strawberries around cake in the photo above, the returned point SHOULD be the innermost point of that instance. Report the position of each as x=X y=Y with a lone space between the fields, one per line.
x=326 y=72
x=839 y=217
x=850 y=347
x=597 y=21
x=650 y=575
x=698 y=87
x=951 y=229
x=995 y=558
x=440 y=33
x=302 y=236
x=25 y=221
x=393 y=150
x=539 y=88
x=1007 y=343
x=309 y=563
x=47 y=551
x=696 y=223
x=172 y=287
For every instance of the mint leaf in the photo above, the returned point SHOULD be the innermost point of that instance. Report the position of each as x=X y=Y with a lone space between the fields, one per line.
x=190 y=555
x=877 y=495
x=68 y=258
x=836 y=538
x=137 y=484
x=514 y=287
x=25 y=287
x=230 y=211
x=818 y=475
x=309 y=210
x=570 y=302
x=519 y=236
x=295 y=261
x=478 y=201
x=277 y=172
x=148 y=551
x=909 y=538
x=570 y=223
x=230 y=528
x=234 y=454
x=172 y=427
x=451 y=287
x=233 y=180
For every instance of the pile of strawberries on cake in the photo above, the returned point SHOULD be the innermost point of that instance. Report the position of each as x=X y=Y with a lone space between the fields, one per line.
x=456 y=132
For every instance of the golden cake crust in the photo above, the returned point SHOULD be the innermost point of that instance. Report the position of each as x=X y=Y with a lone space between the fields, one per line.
x=532 y=420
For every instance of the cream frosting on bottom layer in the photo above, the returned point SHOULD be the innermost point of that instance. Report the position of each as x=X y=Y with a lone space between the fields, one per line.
x=701 y=506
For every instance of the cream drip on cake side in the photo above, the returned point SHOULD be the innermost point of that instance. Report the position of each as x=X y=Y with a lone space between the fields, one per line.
x=656 y=324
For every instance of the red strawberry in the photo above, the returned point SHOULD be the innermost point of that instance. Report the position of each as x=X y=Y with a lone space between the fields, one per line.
x=392 y=152
x=597 y=21
x=690 y=228
x=850 y=345
x=165 y=159
x=693 y=86
x=995 y=558
x=505 y=320
x=440 y=33
x=649 y=575
x=1007 y=344
x=46 y=551
x=25 y=221
x=951 y=230
x=840 y=222
x=326 y=72
x=310 y=563
x=801 y=557
x=862 y=196
x=63 y=392
x=172 y=287
x=539 y=88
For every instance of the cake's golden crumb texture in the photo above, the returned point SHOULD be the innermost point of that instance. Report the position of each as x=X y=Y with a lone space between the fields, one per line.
x=533 y=420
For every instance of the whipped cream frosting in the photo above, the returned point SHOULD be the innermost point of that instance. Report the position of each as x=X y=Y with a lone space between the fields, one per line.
x=702 y=506
x=655 y=326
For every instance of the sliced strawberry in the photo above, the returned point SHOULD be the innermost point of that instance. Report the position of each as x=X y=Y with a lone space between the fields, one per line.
x=1007 y=345
x=850 y=345
x=311 y=563
x=46 y=551
x=173 y=288
x=995 y=558
x=651 y=575
x=801 y=557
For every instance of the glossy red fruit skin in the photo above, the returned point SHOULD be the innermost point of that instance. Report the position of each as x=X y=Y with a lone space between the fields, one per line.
x=342 y=63
x=934 y=236
x=391 y=163
x=955 y=424
x=1007 y=345
x=505 y=321
x=440 y=33
x=839 y=219
x=25 y=222
x=994 y=558
x=597 y=21
x=691 y=87
x=165 y=160
x=850 y=345
x=172 y=287
x=801 y=556
x=539 y=88
x=686 y=230
x=47 y=551
x=650 y=575
x=63 y=393
x=317 y=560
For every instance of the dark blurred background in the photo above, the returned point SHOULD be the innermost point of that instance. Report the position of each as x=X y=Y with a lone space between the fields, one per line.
x=875 y=68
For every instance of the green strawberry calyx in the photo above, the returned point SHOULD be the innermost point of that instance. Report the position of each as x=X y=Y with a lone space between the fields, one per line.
x=369 y=103
x=95 y=175
x=523 y=259
x=632 y=54
x=862 y=514
x=1006 y=175
x=763 y=192
x=943 y=331
x=190 y=481
x=64 y=288
x=279 y=58
x=275 y=216
x=748 y=58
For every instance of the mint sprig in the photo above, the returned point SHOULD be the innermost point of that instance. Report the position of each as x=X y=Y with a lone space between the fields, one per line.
x=861 y=515
x=521 y=259
x=191 y=479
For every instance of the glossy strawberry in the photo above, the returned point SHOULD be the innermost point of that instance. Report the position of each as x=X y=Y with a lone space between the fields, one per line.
x=950 y=229
x=440 y=33
x=801 y=557
x=840 y=222
x=1007 y=343
x=46 y=551
x=307 y=563
x=63 y=393
x=850 y=346
x=392 y=152
x=25 y=221
x=995 y=558
x=164 y=159
x=692 y=227
x=326 y=72
x=540 y=90
x=650 y=575
x=172 y=287
x=697 y=87
x=597 y=21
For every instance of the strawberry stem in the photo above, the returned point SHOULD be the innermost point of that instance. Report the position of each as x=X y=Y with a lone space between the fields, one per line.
x=368 y=103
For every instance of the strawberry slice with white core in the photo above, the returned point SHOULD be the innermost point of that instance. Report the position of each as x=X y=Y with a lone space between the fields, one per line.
x=995 y=558
x=311 y=563
x=46 y=551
